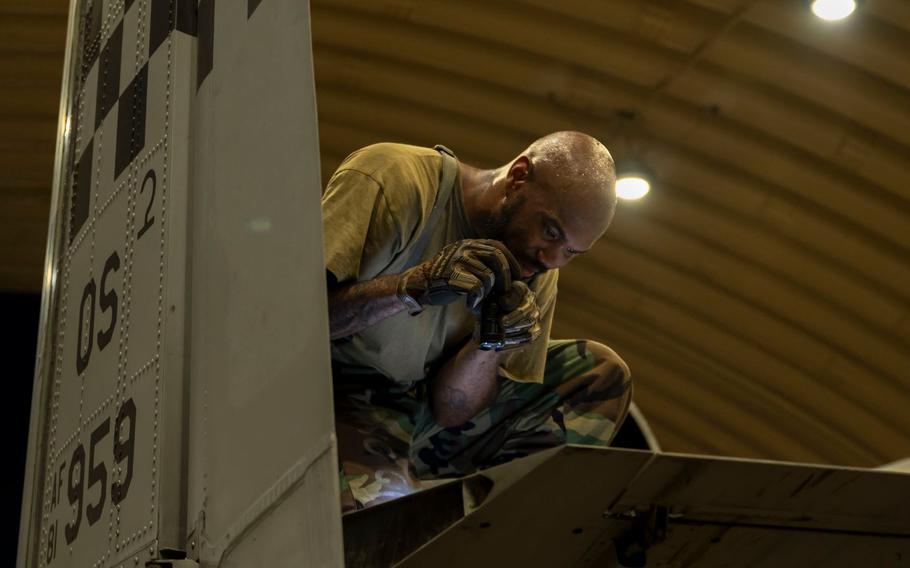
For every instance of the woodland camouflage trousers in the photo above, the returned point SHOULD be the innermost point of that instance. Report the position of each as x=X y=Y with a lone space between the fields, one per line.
x=388 y=440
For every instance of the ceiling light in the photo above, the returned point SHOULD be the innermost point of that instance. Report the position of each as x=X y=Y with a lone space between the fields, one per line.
x=632 y=186
x=633 y=179
x=832 y=10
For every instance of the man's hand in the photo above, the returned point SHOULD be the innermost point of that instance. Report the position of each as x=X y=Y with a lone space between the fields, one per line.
x=469 y=268
x=509 y=320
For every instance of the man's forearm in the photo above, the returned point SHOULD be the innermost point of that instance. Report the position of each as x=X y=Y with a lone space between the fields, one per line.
x=465 y=385
x=357 y=306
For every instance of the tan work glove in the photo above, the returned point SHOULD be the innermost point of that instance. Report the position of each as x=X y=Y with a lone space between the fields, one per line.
x=469 y=268
x=509 y=320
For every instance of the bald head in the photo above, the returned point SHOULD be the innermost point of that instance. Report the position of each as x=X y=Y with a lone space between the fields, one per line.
x=580 y=173
x=549 y=204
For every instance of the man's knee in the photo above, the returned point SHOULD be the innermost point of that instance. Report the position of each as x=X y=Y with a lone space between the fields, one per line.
x=615 y=376
x=610 y=363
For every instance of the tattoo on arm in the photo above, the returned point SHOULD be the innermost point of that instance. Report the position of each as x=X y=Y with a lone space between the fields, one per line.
x=360 y=305
x=455 y=400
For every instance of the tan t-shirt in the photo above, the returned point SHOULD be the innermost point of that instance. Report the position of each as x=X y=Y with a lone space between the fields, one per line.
x=374 y=209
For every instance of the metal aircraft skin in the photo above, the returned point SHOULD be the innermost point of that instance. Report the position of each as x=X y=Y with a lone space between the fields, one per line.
x=165 y=416
x=584 y=506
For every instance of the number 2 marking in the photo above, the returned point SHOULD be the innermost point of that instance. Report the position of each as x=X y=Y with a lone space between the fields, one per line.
x=148 y=220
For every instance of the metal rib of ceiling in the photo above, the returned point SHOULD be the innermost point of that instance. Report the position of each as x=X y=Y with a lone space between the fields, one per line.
x=760 y=292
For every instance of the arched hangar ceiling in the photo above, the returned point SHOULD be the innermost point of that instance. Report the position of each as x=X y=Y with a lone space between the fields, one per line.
x=760 y=292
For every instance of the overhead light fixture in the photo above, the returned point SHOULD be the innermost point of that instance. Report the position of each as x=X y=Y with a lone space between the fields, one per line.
x=633 y=177
x=632 y=187
x=833 y=10
x=633 y=182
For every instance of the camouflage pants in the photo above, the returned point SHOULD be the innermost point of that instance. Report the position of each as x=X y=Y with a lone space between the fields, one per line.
x=388 y=440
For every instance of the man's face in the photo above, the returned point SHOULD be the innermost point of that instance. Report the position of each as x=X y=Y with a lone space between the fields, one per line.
x=541 y=230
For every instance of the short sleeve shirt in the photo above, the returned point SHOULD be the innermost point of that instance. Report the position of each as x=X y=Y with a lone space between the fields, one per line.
x=374 y=210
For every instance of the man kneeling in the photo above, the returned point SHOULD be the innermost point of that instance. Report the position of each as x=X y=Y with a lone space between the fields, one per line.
x=442 y=289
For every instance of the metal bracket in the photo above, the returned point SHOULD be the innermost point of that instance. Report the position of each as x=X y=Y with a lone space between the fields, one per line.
x=648 y=528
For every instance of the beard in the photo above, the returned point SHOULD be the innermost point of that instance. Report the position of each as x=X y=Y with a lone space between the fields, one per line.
x=497 y=224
